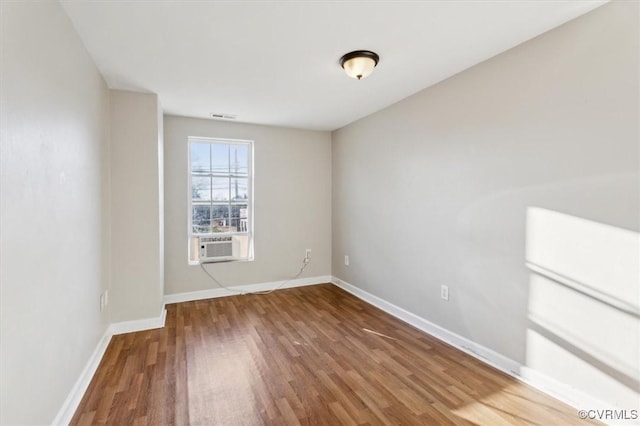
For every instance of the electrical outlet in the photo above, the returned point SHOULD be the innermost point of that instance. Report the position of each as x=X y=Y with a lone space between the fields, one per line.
x=307 y=254
x=104 y=300
x=346 y=261
x=444 y=292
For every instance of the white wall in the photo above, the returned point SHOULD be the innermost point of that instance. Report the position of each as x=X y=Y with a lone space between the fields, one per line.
x=292 y=185
x=137 y=285
x=160 y=178
x=54 y=210
x=452 y=186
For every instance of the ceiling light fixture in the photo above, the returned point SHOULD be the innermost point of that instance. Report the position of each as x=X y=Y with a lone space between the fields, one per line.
x=359 y=63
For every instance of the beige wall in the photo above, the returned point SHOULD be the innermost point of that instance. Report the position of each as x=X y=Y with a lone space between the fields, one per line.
x=136 y=219
x=530 y=153
x=54 y=210
x=292 y=184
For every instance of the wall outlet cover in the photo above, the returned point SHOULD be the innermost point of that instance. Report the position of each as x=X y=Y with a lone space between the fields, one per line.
x=444 y=292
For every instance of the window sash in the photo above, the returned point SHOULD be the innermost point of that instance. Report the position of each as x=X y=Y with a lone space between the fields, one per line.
x=231 y=176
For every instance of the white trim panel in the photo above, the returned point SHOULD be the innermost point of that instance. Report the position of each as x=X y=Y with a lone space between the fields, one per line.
x=70 y=405
x=221 y=292
x=552 y=387
x=139 y=325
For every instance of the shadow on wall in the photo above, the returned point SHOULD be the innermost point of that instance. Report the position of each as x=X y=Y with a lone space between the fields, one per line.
x=584 y=305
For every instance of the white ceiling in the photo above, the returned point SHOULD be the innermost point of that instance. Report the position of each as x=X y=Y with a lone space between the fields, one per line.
x=276 y=62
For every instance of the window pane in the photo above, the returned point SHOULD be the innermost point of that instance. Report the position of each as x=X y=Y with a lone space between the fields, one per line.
x=239 y=189
x=201 y=219
x=239 y=222
x=201 y=188
x=239 y=159
x=221 y=189
x=220 y=218
x=200 y=160
x=219 y=173
x=220 y=158
x=239 y=211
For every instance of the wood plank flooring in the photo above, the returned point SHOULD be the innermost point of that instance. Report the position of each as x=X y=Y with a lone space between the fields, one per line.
x=310 y=355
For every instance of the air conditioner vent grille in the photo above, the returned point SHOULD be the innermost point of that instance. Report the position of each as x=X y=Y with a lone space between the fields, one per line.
x=218 y=248
x=215 y=239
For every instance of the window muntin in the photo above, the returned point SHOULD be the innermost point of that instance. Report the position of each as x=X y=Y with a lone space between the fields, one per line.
x=220 y=192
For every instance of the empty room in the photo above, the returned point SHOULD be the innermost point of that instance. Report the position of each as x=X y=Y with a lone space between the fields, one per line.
x=319 y=212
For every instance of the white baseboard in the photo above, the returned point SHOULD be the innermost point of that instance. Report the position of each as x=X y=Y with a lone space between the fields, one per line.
x=525 y=374
x=561 y=391
x=68 y=409
x=221 y=292
x=552 y=387
x=485 y=354
x=139 y=325
x=70 y=405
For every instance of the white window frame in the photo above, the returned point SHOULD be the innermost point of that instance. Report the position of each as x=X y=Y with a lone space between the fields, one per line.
x=250 y=210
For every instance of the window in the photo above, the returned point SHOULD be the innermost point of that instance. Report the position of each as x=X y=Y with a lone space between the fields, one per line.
x=221 y=194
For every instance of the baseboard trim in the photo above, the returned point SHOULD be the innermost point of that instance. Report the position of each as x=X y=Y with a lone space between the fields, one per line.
x=70 y=405
x=68 y=409
x=221 y=292
x=139 y=325
x=543 y=383
x=560 y=391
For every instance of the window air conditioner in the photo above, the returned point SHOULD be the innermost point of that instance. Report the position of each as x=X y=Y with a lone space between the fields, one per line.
x=216 y=249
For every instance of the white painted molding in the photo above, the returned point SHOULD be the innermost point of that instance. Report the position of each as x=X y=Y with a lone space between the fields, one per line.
x=249 y=288
x=484 y=354
x=68 y=409
x=139 y=325
x=525 y=374
x=552 y=387
x=562 y=391
x=70 y=405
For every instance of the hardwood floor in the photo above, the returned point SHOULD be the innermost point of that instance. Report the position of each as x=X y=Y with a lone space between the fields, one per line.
x=307 y=355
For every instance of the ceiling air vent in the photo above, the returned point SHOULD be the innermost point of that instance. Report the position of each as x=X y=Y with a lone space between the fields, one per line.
x=223 y=116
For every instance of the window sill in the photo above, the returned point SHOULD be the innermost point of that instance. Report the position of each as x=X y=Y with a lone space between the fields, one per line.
x=195 y=263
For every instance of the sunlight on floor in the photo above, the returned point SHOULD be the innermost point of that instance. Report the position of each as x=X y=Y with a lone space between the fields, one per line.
x=378 y=334
x=504 y=407
x=222 y=371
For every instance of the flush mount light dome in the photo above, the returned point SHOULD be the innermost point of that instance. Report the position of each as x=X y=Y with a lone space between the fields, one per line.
x=360 y=63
